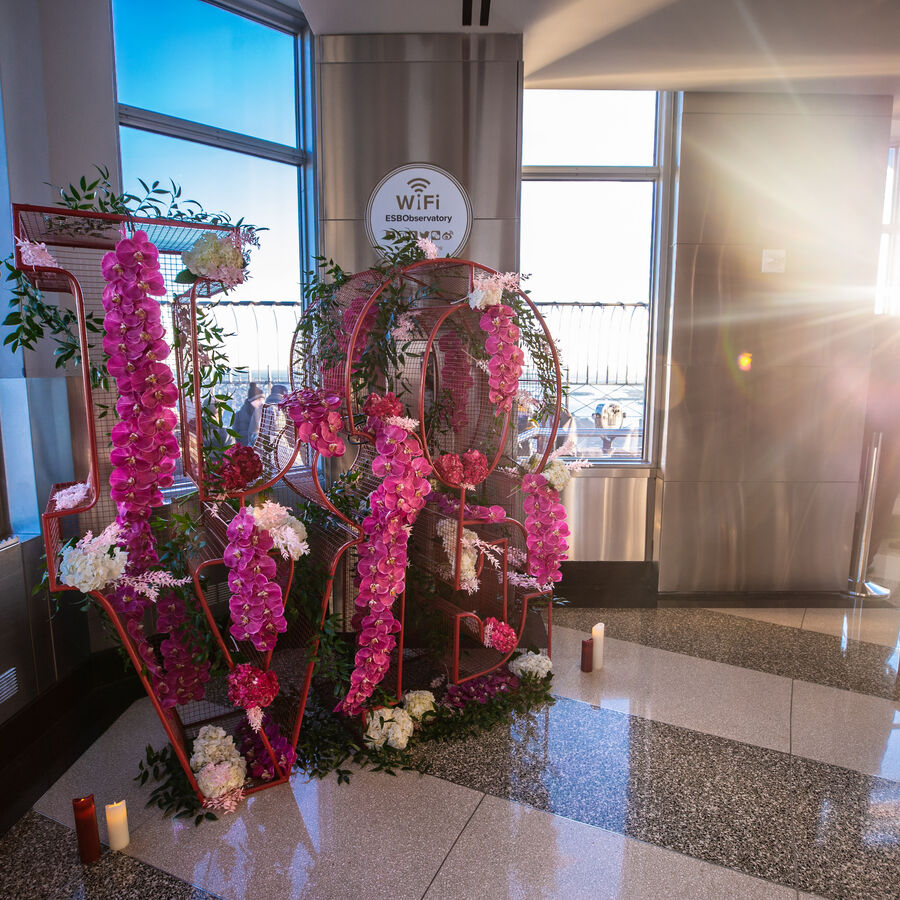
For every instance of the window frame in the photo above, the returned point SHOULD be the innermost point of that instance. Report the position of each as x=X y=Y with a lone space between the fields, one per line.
x=661 y=176
x=302 y=156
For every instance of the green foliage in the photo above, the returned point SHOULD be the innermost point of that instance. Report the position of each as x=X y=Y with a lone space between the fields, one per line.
x=31 y=318
x=174 y=794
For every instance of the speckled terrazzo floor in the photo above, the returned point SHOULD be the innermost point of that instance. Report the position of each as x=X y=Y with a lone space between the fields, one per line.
x=836 y=661
x=708 y=759
x=794 y=821
x=39 y=860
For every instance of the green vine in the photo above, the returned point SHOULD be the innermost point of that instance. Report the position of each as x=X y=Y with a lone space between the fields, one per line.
x=174 y=794
x=31 y=318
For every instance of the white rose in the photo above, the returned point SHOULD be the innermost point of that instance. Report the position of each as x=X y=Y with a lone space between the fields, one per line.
x=418 y=703
x=215 y=779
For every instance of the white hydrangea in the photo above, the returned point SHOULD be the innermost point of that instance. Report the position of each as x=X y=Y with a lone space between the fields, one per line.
x=534 y=664
x=392 y=726
x=288 y=533
x=212 y=254
x=215 y=779
x=89 y=570
x=418 y=703
x=213 y=745
x=557 y=475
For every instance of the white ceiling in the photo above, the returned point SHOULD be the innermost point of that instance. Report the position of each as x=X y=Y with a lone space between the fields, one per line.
x=793 y=45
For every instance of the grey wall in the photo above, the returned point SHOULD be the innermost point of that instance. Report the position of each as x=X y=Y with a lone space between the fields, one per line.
x=58 y=120
x=761 y=467
x=452 y=100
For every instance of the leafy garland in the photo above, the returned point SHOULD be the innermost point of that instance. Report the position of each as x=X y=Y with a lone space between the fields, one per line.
x=31 y=318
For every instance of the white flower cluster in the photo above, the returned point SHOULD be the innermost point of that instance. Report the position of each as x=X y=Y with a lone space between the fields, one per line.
x=93 y=562
x=482 y=298
x=557 y=475
x=393 y=726
x=70 y=497
x=447 y=530
x=219 y=766
x=288 y=533
x=418 y=703
x=213 y=255
x=534 y=664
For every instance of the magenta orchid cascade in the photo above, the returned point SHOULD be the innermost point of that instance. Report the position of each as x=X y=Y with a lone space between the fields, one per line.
x=316 y=417
x=257 y=603
x=506 y=357
x=545 y=522
x=394 y=507
x=144 y=454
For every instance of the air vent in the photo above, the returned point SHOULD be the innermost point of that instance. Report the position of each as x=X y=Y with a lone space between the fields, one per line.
x=9 y=684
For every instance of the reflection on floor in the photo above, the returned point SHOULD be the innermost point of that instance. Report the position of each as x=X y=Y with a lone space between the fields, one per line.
x=740 y=753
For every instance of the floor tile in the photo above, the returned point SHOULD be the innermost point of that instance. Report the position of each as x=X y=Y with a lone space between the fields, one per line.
x=716 y=800
x=846 y=729
x=847 y=833
x=848 y=664
x=39 y=861
x=107 y=769
x=875 y=626
x=790 y=617
x=513 y=851
x=739 y=704
x=379 y=836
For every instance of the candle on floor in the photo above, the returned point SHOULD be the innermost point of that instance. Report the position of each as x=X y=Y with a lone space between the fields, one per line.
x=117 y=825
x=86 y=828
x=597 y=633
x=587 y=655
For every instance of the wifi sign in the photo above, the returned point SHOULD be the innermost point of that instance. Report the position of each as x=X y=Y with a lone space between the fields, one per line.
x=418 y=199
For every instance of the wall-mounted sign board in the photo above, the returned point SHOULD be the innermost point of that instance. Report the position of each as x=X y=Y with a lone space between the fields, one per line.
x=421 y=198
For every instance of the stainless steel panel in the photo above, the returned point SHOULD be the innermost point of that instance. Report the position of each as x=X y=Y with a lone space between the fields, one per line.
x=756 y=536
x=607 y=515
x=707 y=426
x=782 y=181
x=818 y=312
x=40 y=620
x=15 y=645
x=342 y=48
x=805 y=423
x=461 y=116
x=493 y=242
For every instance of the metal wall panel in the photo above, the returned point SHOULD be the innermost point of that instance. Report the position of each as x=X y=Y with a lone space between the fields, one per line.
x=453 y=101
x=15 y=647
x=607 y=514
x=811 y=315
x=761 y=467
x=495 y=239
x=756 y=536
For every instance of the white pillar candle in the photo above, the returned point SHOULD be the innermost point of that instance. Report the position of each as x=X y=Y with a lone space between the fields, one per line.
x=597 y=634
x=117 y=825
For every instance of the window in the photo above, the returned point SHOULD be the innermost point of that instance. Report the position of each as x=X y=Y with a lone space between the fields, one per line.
x=219 y=102
x=888 y=295
x=592 y=193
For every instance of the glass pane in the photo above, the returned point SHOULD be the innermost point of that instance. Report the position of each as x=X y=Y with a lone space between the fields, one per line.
x=188 y=59
x=587 y=241
x=589 y=128
x=264 y=193
x=587 y=246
